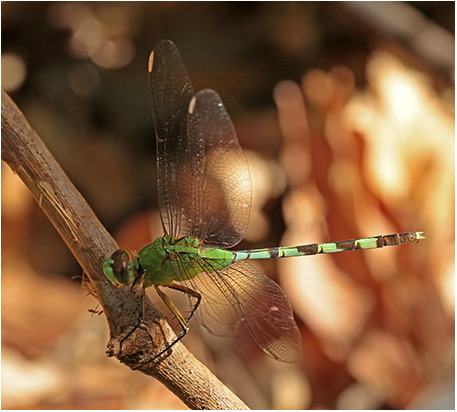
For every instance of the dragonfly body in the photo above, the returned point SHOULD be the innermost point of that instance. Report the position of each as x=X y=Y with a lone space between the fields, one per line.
x=167 y=258
x=204 y=192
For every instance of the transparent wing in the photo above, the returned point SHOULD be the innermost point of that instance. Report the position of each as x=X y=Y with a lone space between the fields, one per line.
x=241 y=293
x=170 y=93
x=221 y=206
x=203 y=177
x=216 y=313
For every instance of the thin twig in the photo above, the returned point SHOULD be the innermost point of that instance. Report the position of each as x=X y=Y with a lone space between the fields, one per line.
x=91 y=244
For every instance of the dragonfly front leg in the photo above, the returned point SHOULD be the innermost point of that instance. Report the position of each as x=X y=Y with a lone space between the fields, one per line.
x=140 y=316
x=182 y=321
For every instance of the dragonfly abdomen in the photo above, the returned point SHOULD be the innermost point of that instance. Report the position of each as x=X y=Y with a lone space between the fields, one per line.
x=332 y=247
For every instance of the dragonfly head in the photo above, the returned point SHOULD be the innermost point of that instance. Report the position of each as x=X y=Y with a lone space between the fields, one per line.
x=119 y=269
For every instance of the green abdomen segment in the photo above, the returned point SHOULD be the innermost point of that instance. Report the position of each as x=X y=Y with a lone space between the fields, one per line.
x=333 y=247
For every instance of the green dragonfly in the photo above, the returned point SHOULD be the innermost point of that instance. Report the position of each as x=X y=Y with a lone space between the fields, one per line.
x=204 y=190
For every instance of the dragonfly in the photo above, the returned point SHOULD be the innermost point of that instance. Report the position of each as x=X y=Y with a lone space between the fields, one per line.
x=204 y=194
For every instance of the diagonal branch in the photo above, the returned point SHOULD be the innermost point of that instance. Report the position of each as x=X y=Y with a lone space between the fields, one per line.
x=91 y=244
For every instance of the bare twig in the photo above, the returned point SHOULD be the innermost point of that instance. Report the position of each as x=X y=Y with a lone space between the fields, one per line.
x=91 y=244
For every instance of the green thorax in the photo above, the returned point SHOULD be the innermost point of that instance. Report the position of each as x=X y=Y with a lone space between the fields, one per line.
x=170 y=259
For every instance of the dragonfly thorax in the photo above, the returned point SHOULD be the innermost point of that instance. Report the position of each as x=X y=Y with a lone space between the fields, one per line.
x=170 y=259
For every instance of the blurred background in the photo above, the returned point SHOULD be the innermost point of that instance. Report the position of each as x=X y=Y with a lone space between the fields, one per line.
x=346 y=114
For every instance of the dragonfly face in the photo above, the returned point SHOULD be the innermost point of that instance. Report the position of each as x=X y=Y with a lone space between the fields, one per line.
x=120 y=270
x=148 y=267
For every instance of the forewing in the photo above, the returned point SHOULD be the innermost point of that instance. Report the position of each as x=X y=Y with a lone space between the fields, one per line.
x=203 y=178
x=221 y=206
x=177 y=157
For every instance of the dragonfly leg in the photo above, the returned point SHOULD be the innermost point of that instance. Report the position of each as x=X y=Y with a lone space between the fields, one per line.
x=190 y=292
x=182 y=321
x=140 y=318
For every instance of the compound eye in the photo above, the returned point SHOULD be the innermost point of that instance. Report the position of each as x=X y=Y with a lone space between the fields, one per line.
x=121 y=260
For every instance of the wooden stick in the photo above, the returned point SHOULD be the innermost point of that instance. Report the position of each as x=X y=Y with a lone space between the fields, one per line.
x=91 y=244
